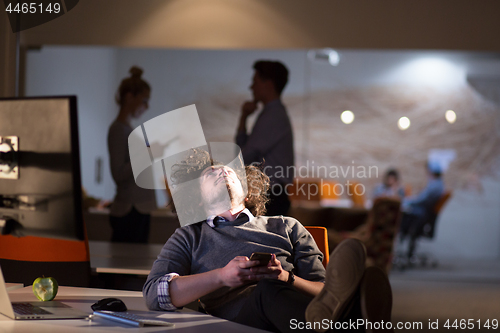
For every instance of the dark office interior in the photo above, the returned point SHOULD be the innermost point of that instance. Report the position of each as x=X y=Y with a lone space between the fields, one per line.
x=418 y=80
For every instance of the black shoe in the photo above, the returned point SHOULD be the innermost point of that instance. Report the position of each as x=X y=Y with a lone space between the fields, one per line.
x=376 y=300
x=343 y=275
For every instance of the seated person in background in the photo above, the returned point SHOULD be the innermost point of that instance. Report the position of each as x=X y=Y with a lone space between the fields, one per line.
x=417 y=209
x=390 y=187
x=209 y=260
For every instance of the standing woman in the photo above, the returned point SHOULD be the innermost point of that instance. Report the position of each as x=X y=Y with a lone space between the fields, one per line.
x=131 y=208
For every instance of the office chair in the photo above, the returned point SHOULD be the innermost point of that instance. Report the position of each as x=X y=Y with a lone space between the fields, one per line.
x=320 y=236
x=377 y=233
x=429 y=228
x=426 y=229
x=358 y=200
x=26 y=258
x=330 y=191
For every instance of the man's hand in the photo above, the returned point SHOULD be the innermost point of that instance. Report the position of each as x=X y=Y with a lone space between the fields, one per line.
x=248 y=108
x=242 y=270
x=273 y=270
x=237 y=272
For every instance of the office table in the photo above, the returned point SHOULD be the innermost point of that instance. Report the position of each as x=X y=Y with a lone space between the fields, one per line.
x=162 y=226
x=336 y=218
x=185 y=320
x=13 y=286
x=123 y=258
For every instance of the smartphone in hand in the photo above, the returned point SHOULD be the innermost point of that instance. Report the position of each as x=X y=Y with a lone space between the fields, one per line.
x=262 y=257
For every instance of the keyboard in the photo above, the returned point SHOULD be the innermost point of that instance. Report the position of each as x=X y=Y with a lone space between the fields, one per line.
x=132 y=319
x=28 y=309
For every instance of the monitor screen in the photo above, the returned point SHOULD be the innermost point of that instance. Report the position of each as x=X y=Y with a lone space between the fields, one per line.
x=40 y=187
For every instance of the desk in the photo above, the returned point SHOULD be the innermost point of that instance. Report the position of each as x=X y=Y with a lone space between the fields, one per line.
x=122 y=265
x=335 y=218
x=81 y=298
x=332 y=218
x=13 y=286
x=123 y=258
x=163 y=225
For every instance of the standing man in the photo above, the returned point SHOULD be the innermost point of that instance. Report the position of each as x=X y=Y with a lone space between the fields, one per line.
x=271 y=140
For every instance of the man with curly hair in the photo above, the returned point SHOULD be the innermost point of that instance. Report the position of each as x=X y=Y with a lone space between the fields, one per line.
x=209 y=260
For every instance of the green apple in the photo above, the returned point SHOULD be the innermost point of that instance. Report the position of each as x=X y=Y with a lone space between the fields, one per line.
x=45 y=288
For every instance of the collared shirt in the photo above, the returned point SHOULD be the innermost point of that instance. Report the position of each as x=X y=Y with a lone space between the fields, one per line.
x=423 y=203
x=212 y=220
x=271 y=142
x=164 y=300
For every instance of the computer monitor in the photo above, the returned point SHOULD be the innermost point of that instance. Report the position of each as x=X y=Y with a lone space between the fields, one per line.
x=40 y=187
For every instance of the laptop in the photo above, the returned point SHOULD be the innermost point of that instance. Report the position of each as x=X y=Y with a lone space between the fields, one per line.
x=35 y=310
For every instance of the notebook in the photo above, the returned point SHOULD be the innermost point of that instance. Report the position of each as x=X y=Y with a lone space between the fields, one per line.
x=35 y=310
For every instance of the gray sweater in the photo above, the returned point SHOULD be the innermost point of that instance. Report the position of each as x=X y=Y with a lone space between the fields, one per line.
x=199 y=248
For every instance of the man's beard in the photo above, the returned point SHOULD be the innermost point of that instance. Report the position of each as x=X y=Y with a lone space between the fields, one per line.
x=235 y=197
x=222 y=200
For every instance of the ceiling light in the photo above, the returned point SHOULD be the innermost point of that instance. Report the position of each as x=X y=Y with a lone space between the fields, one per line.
x=437 y=72
x=450 y=116
x=328 y=55
x=403 y=123
x=347 y=117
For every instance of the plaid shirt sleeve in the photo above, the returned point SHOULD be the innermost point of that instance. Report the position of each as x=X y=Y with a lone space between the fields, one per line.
x=164 y=300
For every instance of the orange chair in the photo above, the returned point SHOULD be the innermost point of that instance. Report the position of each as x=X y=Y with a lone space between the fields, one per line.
x=329 y=190
x=26 y=258
x=407 y=190
x=304 y=190
x=440 y=204
x=320 y=236
x=357 y=198
x=429 y=228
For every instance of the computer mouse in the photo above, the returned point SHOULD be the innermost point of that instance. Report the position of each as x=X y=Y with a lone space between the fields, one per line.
x=109 y=304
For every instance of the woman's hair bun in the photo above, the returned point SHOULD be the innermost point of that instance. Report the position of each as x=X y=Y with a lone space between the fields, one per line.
x=133 y=84
x=136 y=72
